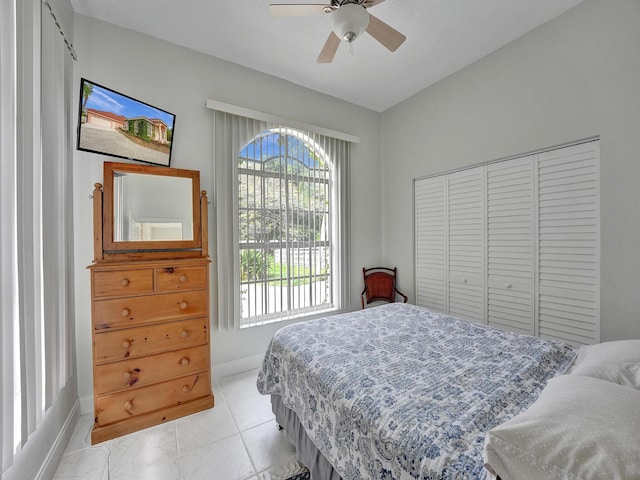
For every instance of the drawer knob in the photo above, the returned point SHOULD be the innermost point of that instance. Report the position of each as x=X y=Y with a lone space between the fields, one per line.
x=126 y=376
x=126 y=344
x=183 y=278
x=507 y=285
x=125 y=312
x=184 y=334
x=183 y=305
x=184 y=361
x=128 y=405
x=185 y=389
x=124 y=282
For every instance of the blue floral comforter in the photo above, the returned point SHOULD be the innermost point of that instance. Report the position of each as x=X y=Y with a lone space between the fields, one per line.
x=399 y=392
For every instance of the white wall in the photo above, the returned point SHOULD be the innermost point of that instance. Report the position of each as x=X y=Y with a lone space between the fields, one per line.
x=574 y=77
x=180 y=80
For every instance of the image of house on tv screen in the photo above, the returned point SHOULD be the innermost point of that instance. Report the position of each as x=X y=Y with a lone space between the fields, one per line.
x=114 y=124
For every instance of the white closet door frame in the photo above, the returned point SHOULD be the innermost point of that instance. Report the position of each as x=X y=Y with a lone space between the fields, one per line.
x=589 y=143
x=536 y=250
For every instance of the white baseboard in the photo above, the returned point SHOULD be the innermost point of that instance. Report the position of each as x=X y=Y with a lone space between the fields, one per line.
x=86 y=404
x=226 y=369
x=50 y=464
x=218 y=372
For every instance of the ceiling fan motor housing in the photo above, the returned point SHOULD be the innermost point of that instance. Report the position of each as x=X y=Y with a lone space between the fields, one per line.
x=349 y=21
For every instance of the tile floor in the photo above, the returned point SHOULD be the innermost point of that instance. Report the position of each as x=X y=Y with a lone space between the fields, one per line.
x=236 y=440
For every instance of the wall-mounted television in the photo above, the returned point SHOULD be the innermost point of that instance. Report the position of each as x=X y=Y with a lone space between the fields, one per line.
x=115 y=124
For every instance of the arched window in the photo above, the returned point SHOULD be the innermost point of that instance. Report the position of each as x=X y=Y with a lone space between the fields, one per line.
x=281 y=208
x=285 y=226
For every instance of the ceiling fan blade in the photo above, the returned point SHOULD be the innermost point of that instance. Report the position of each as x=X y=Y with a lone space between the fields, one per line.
x=296 y=9
x=386 y=35
x=329 y=50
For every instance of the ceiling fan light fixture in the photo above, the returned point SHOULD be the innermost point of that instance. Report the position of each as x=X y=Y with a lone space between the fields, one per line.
x=349 y=21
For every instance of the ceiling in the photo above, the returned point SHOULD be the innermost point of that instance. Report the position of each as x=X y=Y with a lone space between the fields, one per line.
x=443 y=36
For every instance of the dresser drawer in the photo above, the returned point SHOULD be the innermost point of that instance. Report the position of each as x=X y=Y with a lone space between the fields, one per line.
x=122 y=282
x=151 y=369
x=172 y=279
x=137 y=401
x=125 y=312
x=140 y=341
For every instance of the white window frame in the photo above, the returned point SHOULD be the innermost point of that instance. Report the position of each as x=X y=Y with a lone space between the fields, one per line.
x=229 y=139
x=260 y=294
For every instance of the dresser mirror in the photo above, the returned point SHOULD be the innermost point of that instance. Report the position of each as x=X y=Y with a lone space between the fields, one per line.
x=147 y=208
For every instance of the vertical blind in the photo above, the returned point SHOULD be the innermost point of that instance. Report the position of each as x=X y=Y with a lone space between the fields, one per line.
x=281 y=221
x=9 y=326
x=56 y=119
x=35 y=220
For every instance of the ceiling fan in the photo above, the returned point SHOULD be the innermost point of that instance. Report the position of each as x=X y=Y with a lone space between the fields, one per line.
x=349 y=18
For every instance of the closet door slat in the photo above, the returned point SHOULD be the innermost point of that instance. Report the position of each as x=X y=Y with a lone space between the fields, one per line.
x=466 y=244
x=569 y=226
x=431 y=252
x=511 y=242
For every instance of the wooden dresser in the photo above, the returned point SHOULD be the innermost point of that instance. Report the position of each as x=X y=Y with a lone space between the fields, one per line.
x=151 y=351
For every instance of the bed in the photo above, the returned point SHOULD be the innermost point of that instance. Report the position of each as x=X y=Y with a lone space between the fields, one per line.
x=400 y=392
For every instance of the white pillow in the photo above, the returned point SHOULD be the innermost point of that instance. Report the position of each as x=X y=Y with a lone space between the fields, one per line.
x=617 y=362
x=579 y=428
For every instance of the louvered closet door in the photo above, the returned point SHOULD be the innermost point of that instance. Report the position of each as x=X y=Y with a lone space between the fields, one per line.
x=510 y=241
x=431 y=254
x=569 y=288
x=466 y=244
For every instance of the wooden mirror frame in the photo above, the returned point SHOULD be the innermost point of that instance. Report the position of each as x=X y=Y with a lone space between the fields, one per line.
x=104 y=245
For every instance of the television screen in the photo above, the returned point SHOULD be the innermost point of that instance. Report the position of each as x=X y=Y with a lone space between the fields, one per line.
x=115 y=124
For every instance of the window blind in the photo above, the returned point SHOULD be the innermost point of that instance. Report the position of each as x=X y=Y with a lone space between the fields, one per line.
x=36 y=247
x=282 y=218
x=9 y=327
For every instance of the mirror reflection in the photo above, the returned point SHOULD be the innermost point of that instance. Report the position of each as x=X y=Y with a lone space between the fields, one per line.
x=150 y=207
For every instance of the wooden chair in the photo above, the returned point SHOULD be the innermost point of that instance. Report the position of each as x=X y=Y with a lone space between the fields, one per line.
x=380 y=284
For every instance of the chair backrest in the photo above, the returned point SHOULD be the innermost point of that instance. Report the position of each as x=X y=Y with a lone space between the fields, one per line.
x=379 y=284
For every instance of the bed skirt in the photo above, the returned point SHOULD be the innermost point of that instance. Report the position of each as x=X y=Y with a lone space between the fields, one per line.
x=306 y=452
